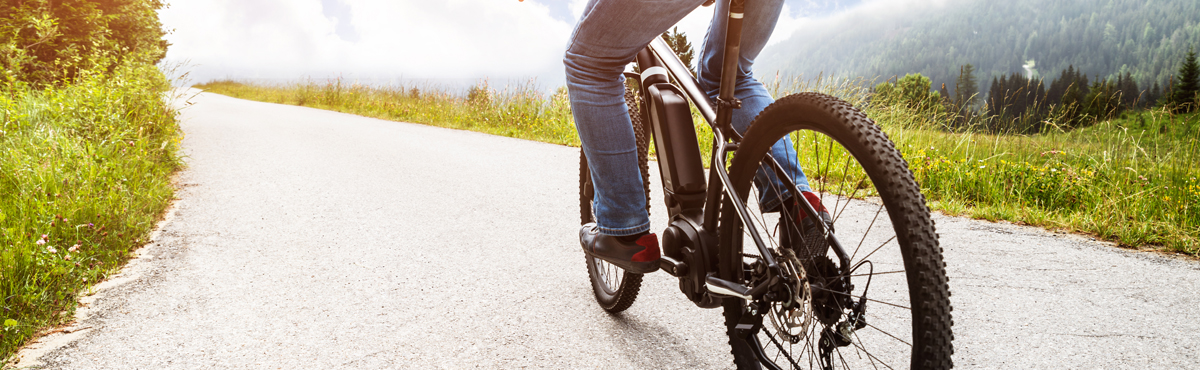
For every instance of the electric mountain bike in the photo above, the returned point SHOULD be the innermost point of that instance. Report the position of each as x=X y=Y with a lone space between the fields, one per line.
x=878 y=298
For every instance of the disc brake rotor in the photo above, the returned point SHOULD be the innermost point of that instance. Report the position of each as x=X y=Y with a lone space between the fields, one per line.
x=792 y=317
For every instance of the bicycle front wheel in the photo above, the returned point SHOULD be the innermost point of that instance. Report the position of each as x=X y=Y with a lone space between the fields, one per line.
x=884 y=303
x=615 y=288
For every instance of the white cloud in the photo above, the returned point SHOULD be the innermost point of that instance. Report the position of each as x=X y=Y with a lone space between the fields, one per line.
x=288 y=39
x=785 y=27
x=457 y=38
x=503 y=40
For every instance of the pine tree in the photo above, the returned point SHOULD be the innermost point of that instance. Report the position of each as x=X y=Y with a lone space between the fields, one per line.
x=1152 y=95
x=1183 y=95
x=1128 y=89
x=679 y=43
x=965 y=87
x=997 y=96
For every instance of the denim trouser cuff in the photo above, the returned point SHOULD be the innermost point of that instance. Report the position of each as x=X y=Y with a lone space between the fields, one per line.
x=624 y=232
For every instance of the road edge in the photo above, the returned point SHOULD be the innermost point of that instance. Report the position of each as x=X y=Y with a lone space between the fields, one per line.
x=29 y=356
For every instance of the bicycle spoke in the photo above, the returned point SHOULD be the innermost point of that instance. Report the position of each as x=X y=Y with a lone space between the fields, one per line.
x=810 y=346
x=781 y=350
x=870 y=357
x=762 y=222
x=828 y=157
x=888 y=334
x=875 y=273
x=878 y=248
x=853 y=193
x=615 y=275
x=860 y=297
x=864 y=237
x=842 y=188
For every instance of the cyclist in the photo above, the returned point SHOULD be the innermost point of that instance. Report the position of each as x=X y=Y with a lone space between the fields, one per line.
x=606 y=39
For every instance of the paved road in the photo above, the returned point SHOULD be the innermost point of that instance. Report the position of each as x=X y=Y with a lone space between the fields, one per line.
x=306 y=239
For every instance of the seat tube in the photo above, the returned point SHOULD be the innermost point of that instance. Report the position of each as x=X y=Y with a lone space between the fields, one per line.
x=726 y=101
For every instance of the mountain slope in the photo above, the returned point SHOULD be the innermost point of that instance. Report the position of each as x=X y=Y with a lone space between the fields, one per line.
x=1101 y=38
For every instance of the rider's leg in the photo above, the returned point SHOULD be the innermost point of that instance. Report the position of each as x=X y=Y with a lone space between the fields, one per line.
x=759 y=23
x=608 y=36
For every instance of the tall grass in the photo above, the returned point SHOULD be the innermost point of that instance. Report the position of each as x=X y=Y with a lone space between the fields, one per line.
x=1132 y=180
x=520 y=111
x=84 y=173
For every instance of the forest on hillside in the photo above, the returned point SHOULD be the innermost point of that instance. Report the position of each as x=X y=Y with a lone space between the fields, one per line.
x=1105 y=39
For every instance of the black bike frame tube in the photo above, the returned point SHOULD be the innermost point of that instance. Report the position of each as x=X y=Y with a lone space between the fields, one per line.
x=712 y=205
x=738 y=205
x=729 y=65
x=683 y=76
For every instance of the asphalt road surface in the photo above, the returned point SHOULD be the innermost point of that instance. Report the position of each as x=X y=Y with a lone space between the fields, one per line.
x=307 y=239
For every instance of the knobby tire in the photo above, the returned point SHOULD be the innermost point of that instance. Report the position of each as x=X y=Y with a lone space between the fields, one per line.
x=817 y=122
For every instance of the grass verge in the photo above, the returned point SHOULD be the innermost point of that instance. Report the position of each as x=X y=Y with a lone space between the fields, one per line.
x=1131 y=180
x=84 y=174
x=520 y=112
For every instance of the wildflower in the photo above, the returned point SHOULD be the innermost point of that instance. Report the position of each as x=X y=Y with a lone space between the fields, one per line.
x=983 y=166
x=67 y=257
x=1053 y=170
x=41 y=242
x=51 y=249
x=73 y=248
x=45 y=237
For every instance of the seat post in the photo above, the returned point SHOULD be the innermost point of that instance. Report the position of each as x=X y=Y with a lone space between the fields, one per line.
x=726 y=101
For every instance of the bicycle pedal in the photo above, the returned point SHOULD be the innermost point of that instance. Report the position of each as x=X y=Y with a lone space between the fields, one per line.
x=727 y=288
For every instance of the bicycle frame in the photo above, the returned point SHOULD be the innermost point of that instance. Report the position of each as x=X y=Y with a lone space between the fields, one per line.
x=694 y=203
x=788 y=274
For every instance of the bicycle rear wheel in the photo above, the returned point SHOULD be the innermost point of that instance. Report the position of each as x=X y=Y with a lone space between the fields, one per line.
x=615 y=288
x=893 y=265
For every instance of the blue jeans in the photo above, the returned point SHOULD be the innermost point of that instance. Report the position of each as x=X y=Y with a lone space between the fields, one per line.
x=606 y=39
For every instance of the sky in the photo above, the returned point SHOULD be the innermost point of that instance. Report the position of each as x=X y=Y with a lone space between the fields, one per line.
x=397 y=41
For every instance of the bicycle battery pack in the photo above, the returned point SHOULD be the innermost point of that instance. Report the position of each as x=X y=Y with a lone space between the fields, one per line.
x=678 y=151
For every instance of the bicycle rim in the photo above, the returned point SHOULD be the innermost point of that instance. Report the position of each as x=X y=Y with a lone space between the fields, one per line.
x=879 y=217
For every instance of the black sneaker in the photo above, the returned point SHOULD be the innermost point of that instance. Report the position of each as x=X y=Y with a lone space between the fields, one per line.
x=811 y=243
x=640 y=256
